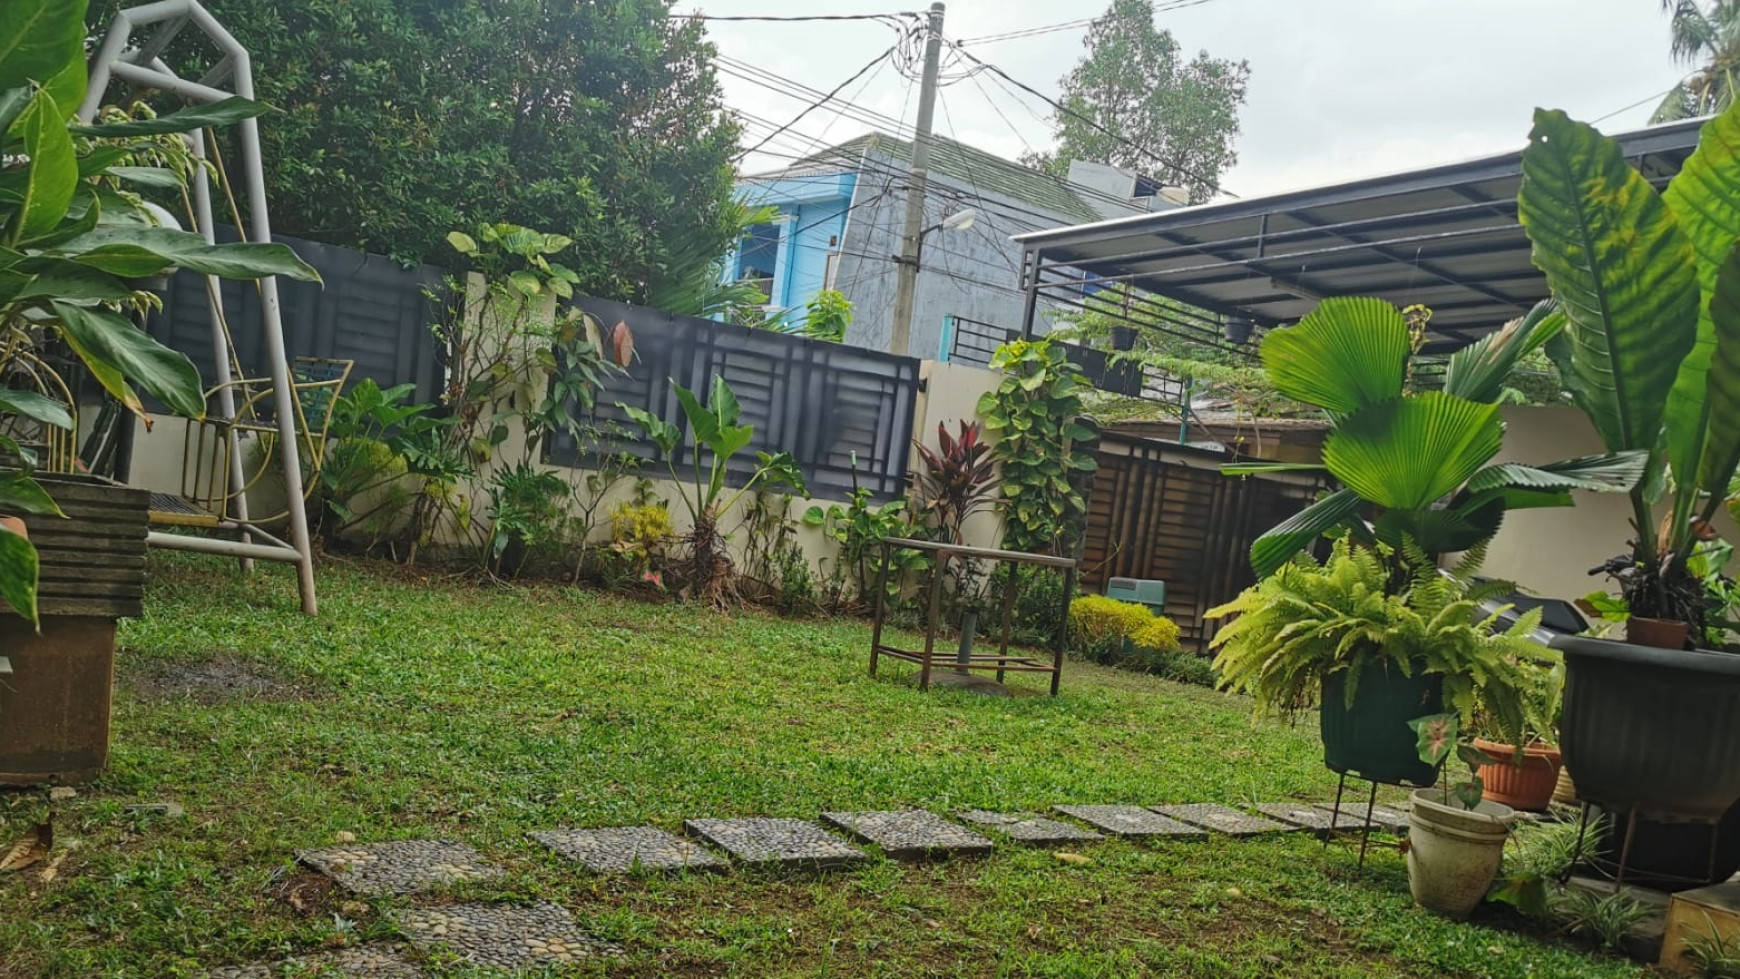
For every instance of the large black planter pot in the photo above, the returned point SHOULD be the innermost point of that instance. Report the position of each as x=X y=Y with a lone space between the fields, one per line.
x=1651 y=730
x=1372 y=739
x=1673 y=856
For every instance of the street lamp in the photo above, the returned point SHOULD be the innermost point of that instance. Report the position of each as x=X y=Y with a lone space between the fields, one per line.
x=906 y=288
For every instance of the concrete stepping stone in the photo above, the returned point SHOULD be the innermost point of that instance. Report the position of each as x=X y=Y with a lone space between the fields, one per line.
x=1221 y=819
x=910 y=834
x=1303 y=815
x=502 y=936
x=1131 y=821
x=621 y=849
x=1025 y=827
x=366 y=962
x=1353 y=816
x=776 y=842
x=402 y=867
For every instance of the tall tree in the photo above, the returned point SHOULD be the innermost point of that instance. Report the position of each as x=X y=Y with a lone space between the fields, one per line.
x=404 y=119
x=1133 y=101
x=1708 y=39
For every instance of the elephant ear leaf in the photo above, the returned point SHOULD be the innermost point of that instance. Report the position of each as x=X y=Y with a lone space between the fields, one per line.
x=1721 y=450
x=1621 y=270
x=1705 y=198
x=1347 y=353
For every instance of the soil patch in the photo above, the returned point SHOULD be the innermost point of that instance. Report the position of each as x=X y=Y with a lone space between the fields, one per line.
x=220 y=678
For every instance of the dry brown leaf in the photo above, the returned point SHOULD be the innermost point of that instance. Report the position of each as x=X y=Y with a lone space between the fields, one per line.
x=31 y=848
x=50 y=872
x=624 y=340
x=1064 y=856
x=594 y=330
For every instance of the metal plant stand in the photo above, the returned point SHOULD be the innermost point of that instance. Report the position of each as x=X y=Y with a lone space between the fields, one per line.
x=964 y=661
x=1617 y=873
x=139 y=65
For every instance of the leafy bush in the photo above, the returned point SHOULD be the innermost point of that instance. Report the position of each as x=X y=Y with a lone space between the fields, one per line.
x=1036 y=413
x=639 y=535
x=1038 y=610
x=528 y=513
x=860 y=529
x=1095 y=620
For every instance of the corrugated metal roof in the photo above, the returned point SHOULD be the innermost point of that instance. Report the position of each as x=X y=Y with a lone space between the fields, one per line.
x=1445 y=236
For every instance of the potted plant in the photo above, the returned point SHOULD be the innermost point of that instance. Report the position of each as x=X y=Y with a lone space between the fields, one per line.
x=1650 y=288
x=1419 y=483
x=1524 y=774
x=76 y=239
x=1455 y=835
x=1339 y=635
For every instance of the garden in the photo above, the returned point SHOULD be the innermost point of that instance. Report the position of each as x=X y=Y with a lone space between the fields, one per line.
x=611 y=716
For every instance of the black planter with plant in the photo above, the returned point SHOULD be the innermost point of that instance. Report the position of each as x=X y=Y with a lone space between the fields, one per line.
x=1649 y=288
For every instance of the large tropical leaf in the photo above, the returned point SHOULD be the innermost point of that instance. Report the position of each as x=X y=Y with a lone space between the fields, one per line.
x=1478 y=371
x=1721 y=449
x=53 y=173
x=1287 y=538
x=223 y=113
x=1616 y=473
x=1705 y=199
x=1406 y=453
x=113 y=340
x=1621 y=271
x=1438 y=531
x=135 y=252
x=1347 y=353
x=18 y=570
x=32 y=405
x=38 y=38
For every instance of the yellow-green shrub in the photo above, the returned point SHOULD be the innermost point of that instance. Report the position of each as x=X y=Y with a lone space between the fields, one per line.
x=1095 y=620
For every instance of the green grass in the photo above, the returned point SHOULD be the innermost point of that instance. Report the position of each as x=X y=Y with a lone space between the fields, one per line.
x=430 y=707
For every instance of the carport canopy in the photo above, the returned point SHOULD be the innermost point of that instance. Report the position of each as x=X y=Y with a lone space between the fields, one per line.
x=1446 y=237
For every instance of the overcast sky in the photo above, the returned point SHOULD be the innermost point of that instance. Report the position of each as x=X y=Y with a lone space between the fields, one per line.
x=1339 y=89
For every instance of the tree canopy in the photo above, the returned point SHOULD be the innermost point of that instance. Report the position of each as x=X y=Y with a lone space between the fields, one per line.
x=1707 y=38
x=1134 y=101
x=404 y=119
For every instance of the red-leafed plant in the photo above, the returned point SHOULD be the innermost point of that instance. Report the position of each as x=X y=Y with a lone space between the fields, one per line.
x=956 y=480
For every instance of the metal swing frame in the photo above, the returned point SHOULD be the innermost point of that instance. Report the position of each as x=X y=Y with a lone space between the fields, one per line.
x=140 y=66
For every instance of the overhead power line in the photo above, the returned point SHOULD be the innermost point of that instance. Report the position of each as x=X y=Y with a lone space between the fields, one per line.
x=701 y=15
x=1068 y=25
x=825 y=99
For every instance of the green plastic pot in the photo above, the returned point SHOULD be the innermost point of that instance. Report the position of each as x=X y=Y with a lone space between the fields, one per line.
x=1372 y=739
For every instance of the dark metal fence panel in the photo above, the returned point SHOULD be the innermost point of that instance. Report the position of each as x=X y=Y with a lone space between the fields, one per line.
x=823 y=402
x=1163 y=511
x=974 y=343
x=370 y=310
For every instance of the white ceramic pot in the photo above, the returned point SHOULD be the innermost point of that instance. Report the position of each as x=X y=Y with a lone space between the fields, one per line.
x=1453 y=853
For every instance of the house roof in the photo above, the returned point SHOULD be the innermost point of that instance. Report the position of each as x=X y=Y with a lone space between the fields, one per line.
x=984 y=171
x=1445 y=236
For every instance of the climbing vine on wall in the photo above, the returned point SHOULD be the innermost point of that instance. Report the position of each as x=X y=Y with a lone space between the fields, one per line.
x=1044 y=445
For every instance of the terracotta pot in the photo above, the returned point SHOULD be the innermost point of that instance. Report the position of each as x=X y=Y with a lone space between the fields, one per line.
x=1660 y=633
x=16 y=525
x=1526 y=785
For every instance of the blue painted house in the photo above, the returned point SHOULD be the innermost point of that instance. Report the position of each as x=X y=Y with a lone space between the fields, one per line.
x=841 y=211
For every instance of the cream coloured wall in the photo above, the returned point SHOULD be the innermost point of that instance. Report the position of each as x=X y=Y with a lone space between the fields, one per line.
x=1550 y=551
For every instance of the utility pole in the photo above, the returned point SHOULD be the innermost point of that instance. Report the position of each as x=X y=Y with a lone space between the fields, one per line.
x=900 y=337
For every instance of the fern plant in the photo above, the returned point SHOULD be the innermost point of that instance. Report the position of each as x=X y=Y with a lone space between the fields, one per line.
x=1309 y=620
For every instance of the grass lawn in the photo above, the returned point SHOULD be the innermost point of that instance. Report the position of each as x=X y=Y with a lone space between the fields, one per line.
x=430 y=708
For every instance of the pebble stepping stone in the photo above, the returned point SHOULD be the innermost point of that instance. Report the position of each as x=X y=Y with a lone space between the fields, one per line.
x=1222 y=819
x=347 y=963
x=1131 y=821
x=621 y=849
x=911 y=834
x=1302 y=814
x=502 y=936
x=403 y=867
x=1353 y=816
x=1025 y=827
x=776 y=842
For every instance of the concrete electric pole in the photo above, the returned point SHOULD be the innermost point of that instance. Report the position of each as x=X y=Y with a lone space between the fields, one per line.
x=900 y=337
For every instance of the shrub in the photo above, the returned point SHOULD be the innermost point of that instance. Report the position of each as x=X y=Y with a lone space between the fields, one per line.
x=1038 y=607
x=1116 y=633
x=639 y=533
x=1159 y=633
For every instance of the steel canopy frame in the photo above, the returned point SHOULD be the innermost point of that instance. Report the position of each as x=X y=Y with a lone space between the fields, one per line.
x=1444 y=236
x=141 y=67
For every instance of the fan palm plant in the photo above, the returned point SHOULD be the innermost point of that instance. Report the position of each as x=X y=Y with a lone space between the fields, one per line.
x=1415 y=466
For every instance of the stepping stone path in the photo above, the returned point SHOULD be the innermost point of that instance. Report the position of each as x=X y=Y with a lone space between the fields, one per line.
x=403 y=867
x=910 y=834
x=1131 y=821
x=1222 y=819
x=621 y=849
x=1353 y=816
x=1303 y=815
x=776 y=842
x=502 y=936
x=1025 y=827
x=352 y=963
